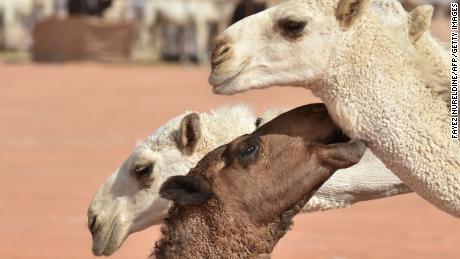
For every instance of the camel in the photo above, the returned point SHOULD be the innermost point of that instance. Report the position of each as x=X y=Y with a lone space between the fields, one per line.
x=186 y=15
x=16 y=19
x=129 y=200
x=377 y=83
x=239 y=200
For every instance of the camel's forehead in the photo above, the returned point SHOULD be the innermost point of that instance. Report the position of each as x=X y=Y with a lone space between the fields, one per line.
x=304 y=7
x=329 y=6
x=317 y=4
x=290 y=8
x=210 y=165
x=389 y=11
x=141 y=155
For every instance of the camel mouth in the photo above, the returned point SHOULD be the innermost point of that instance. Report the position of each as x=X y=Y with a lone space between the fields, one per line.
x=101 y=240
x=219 y=88
x=105 y=243
x=222 y=82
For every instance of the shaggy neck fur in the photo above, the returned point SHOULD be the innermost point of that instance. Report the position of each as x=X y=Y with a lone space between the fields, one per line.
x=213 y=231
x=374 y=91
x=433 y=66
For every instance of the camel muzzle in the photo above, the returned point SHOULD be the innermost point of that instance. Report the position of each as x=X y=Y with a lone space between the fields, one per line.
x=221 y=53
x=92 y=224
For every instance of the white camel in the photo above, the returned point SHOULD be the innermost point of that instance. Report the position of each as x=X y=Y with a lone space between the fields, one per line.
x=129 y=200
x=17 y=18
x=187 y=15
x=13 y=27
x=383 y=81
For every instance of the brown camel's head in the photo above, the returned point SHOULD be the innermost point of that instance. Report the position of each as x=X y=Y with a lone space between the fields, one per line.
x=260 y=176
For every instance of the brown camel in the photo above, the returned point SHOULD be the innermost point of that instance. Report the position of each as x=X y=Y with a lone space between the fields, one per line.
x=240 y=199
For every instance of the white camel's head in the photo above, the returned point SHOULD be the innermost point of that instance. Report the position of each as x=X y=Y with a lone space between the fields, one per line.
x=304 y=42
x=129 y=201
x=290 y=44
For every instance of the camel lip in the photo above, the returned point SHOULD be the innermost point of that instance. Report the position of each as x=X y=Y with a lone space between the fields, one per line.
x=220 y=89
x=100 y=246
x=219 y=81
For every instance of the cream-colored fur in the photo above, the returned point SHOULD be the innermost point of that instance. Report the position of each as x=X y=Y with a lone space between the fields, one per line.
x=372 y=77
x=420 y=21
x=122 y=207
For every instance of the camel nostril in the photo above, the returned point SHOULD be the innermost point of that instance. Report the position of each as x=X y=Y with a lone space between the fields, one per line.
x=225 y=50
x=92 y=224
x=221 y=54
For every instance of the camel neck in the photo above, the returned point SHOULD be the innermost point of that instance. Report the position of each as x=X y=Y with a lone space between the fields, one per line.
x=203 y=233
x=213 y=232
x=377 y=94
x=378 y=79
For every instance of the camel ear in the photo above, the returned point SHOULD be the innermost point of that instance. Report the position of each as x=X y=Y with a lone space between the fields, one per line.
x=340 y=155
x=420 y=21
x=185 y=191
x=348 y=11
x=189 y=133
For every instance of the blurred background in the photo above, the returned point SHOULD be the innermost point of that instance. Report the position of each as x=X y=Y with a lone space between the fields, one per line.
x=118 y=30
x=81 y=81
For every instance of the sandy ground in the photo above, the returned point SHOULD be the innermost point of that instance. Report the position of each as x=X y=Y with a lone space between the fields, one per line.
x=65 y=128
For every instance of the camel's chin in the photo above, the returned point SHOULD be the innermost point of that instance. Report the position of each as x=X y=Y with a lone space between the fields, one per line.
x=224 y=84
x=224 y=89
x=108 y=243
x=107 y=250
x=238 y=84
x=230 y=86
x=226 y=80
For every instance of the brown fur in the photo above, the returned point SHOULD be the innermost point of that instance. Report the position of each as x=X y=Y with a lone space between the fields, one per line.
x=240 y=203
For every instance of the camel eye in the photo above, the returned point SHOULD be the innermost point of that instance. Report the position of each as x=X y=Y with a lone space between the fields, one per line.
x=248 y=150
x=292 y=27
x=143 y=171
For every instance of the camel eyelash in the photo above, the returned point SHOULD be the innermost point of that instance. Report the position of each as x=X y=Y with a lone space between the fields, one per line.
x=292 y=26
x=143 y=171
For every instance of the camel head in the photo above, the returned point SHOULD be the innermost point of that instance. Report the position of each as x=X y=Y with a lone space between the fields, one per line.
x=297 y=42
x=292 y=44
x=129 y=200
x=257 y=178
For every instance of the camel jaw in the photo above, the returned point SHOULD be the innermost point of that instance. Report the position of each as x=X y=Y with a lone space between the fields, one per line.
x=226 y=81
x=224 y=88
x=109 y=239
x=223 y=84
